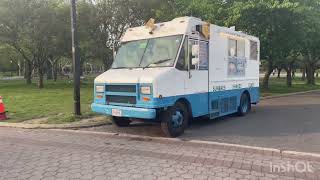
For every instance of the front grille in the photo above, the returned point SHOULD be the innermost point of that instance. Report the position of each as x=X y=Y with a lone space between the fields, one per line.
x=121 y=99
x=121 y=88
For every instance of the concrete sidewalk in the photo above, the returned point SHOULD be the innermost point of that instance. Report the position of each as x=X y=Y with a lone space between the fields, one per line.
x=56 y=154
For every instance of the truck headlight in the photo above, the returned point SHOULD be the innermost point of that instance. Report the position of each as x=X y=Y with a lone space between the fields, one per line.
x=145 y=90
x=99 y=89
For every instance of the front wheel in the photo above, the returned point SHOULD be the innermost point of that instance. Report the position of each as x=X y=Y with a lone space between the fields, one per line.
x=121 y=121
x=174 y=120
x=245 y=104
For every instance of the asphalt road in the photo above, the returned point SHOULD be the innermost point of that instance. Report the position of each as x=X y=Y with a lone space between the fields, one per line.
x=288 y=123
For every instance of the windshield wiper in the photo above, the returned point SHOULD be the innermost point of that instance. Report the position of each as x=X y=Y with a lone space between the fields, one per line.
x=157 y=62
x=122 y=68
x=119 y=68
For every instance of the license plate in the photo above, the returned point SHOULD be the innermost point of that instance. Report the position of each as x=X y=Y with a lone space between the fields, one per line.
x=116 y=112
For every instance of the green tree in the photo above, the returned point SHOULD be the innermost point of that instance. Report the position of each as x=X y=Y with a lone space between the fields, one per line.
x=30 y=27
x=14 y=16
x=10 y=60
x=311 y=37
x=273 y=22
x=103 y=22
x=212 y=11
x=60 y=44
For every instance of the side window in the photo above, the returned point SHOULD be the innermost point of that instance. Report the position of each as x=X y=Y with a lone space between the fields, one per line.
x=241 y=49
x=203 y=54
x=182 y=63
x=236 y=48
x=253 y=50
x=237 y=58
x=191 y=42
x=232 y=48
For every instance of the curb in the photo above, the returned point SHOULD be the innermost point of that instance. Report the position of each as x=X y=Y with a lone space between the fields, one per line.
x=210 y=144
x=83 y=124
x=289 y=94
x=310 y=156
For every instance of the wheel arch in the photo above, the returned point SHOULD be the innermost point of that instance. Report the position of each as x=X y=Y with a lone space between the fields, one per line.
x=187 y=104
x=248 y=93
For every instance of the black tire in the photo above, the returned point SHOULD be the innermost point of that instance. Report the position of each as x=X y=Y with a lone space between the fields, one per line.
x=245 y=104
x=121 y=121
x=174 y=120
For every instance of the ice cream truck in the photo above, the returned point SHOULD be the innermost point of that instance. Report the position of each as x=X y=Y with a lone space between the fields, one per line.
x=173 y=72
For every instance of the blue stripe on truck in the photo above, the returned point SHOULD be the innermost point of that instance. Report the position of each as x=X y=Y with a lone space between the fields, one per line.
x=201 y=103
x=132 y=112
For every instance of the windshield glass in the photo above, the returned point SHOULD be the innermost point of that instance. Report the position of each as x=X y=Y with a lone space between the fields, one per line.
x=157 y=52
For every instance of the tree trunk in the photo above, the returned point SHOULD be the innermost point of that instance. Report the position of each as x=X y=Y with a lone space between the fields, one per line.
x=279 y=73
x=60 y=70
x=25 y=71
x=265 y=82
x=55 y=72
x=82 y=62
x=310 y=74
x=81 y=69
x=289 y=77
x=49 y=70
x=28 y=72
x=40 y=82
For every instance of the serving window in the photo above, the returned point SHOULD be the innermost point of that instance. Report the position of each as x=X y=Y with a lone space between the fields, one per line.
x=253 y=50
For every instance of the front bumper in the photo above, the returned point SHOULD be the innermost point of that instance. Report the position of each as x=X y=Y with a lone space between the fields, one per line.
x=131 y=112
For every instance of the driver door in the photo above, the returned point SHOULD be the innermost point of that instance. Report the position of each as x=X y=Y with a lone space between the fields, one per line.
x=196 y=85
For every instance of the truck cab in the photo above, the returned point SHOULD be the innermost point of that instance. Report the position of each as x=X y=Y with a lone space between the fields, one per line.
x=175 y=71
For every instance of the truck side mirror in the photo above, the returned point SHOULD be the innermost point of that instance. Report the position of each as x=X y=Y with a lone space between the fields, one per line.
x=195 y=50
x=195 y=61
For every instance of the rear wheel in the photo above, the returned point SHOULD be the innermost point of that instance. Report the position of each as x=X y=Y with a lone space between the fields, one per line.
x=245 y=104
x=121 y=121
x=174 y=120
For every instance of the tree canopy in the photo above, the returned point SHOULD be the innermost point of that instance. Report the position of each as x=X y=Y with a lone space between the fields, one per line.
x=37 y=32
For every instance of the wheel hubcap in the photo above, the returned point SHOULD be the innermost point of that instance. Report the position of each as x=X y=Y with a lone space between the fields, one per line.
x=177 y=119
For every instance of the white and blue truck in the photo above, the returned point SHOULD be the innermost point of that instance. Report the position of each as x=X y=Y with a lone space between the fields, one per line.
x=175 y=71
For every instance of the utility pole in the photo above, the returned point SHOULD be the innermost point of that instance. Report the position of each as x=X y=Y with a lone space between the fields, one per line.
x=76 y=59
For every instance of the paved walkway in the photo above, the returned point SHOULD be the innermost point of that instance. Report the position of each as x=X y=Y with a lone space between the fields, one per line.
x=48 y=154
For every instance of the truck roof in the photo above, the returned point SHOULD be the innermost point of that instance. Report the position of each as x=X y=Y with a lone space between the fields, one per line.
x=177 y=26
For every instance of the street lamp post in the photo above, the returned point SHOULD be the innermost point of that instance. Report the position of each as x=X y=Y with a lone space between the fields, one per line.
x=76 y=59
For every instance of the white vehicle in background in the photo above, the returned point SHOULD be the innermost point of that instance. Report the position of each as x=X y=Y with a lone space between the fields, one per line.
x=175 y=71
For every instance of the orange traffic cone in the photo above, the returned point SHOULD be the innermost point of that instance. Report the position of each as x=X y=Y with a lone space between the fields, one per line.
x=2 y=110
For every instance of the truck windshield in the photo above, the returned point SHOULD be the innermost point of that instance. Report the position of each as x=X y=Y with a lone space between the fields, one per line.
x=157 y=52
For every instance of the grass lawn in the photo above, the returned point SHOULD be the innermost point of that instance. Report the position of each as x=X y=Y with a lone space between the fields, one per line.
x=278 y=86
x=55 y=101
